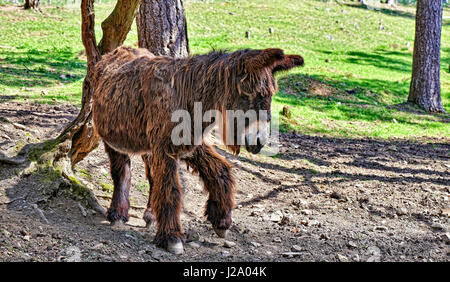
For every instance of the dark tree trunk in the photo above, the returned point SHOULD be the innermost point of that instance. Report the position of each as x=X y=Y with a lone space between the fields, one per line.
x=425 y=89
x=32 y=4
x=162 y=28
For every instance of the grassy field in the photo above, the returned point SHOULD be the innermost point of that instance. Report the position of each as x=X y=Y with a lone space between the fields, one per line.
x=357 y=73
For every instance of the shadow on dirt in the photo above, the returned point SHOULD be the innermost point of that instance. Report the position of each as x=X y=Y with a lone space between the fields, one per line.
x=392 y=159
x=307 y=167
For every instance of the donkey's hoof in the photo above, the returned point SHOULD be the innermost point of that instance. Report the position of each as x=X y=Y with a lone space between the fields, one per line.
x=113 y=216
x=222 y=233
x=175 y=248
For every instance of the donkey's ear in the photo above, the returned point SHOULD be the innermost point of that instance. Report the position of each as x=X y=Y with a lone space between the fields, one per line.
x=256 y=60
x=289 y=62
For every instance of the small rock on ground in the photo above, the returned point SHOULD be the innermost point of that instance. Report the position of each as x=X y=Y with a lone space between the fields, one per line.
x=341 y=258
x=229 y=244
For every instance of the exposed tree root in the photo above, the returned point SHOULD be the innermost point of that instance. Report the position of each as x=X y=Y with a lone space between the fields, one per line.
x=55 y=158
x=46 y=160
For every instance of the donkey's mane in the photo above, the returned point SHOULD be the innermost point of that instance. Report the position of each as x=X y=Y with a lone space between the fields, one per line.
x=211 y=78
x=219 y=56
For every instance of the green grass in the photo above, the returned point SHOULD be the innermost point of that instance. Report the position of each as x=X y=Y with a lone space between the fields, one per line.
x=107 y=187
x=143 y=186
x=354 y=82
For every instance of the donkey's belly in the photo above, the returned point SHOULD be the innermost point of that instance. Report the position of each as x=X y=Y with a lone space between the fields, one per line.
x=125 y=134
x=129 y=149
x=127 y=143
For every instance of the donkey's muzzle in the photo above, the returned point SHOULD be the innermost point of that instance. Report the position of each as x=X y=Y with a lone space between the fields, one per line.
x=254 y=149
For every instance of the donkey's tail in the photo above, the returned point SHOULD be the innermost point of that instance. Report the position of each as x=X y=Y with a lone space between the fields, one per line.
x=88 y=33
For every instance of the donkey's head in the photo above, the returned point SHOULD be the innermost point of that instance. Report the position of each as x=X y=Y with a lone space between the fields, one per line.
x=255 y=85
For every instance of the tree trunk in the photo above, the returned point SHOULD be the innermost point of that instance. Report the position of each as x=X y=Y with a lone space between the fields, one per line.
x=118 y=24
x=77 y=140
x=32 y=4
x=162 y=28
x=425 y=89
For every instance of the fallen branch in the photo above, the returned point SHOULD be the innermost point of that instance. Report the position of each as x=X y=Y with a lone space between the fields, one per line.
x=17 y=125
x=93 y=202
x=83 y=211
x=40 y=213
x=6 y=137
x=22 y=127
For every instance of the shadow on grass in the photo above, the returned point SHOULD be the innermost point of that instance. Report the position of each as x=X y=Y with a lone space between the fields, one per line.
x=357 y=99
x=29 y=68
x=382 y=59
x=411 y=108
x=4 y=98
x=400 y=61
x=389 y=12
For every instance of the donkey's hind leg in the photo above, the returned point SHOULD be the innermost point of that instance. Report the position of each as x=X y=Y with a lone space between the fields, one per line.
x=121 y=176
x=218 y=180
x=166 y=201
x=149 y=217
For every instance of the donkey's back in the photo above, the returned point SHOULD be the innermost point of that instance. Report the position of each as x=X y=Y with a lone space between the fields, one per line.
x=131 y=99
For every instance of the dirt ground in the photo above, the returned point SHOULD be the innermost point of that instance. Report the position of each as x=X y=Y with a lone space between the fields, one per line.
x=320 y=199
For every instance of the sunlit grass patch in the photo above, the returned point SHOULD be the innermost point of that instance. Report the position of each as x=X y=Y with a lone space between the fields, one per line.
x=354 y=83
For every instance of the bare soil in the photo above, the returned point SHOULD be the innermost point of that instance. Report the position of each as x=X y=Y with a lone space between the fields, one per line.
x=320 y=199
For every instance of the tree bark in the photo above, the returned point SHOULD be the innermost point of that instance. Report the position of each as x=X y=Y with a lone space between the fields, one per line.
x=117 y=25
x=425 y=89
x=162 y=28
x=78 y=139
x=32 y=4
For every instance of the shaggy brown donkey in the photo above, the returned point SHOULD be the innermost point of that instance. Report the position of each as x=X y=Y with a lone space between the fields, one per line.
x=135 y=96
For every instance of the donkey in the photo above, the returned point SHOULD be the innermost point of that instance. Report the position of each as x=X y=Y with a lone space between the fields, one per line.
x=135 y=95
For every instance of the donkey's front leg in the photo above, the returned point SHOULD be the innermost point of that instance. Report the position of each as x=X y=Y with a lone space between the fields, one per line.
x=166 y=201
x=218 y=180
x=121 y=175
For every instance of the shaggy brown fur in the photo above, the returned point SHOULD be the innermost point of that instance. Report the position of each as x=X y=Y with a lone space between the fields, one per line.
x=135 y=96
